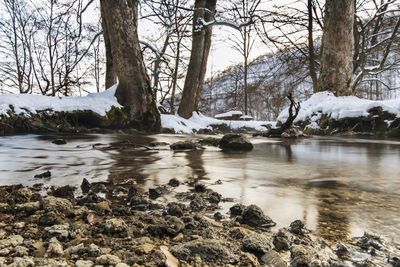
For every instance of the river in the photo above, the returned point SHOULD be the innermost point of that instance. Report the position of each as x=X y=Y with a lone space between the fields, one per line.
x=340 y=187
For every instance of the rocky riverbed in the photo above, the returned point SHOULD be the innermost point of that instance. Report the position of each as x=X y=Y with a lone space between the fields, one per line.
x=104 y=224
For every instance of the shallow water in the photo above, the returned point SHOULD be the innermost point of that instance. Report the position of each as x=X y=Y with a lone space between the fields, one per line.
x=339 y=187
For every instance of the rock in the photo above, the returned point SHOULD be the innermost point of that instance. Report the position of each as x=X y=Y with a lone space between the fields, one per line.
x=300 y=256
x=184 y=145
x=174 y=182
x=55 y=248
x=214 y=198
x=46 y=174
x=197 y=204
x=65 y=192
x=257 y=244
x=50 y=218
x=85 y=186
x=4 y=252
x=273 y=259
x=157 y=192
x=236 y=142
x=22 y=262
x=56 y=204
x=19 y=225
x=135 y=198
x=281 y=241
x=60 y=231
x=394 y=261
x=341 y=250
x=211 y=251
x=175 y=209
x=252 y=215
x=20 y=251
x=297 y=227
x=236 y=210
x=146 y=248
x=59 y=142
x=218 y=216
x=107 y=260
x=210 y=141
x=170 y=226
x=84 y=263
x=121 y=264
x=368 y=241
x=200 y=188
x=293 y=133
x=116 y=227
x=21 y=195
x=170 y=261
x=29 y=208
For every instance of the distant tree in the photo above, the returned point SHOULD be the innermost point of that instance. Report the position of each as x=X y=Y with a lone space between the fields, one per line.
x=134 y=88
x=337 y=47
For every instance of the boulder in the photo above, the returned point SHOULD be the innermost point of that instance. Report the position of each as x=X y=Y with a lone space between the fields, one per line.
x=235 y=142
x=257 y=244
x=254 y=216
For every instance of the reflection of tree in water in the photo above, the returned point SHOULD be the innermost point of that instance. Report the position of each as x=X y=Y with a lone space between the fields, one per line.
x=131 y=159
x=196 y=164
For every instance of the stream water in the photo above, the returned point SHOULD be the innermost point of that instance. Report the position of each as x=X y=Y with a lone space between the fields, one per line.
x=339 y=187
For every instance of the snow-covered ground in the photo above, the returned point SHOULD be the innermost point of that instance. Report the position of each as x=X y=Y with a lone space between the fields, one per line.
x=339 y=107
x=98 y=102
x=104 y=101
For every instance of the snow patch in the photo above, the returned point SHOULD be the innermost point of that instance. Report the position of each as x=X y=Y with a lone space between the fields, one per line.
x=97 y=102
x=338 y=107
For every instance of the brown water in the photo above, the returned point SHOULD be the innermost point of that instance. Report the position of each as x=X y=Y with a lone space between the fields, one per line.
x=339 y=187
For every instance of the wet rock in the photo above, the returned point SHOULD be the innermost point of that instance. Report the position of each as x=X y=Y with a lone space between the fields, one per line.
x=236 y=210
x=273 y=259
x=214 y=198
x=252 y=215
x=218 y=216
x=116 y=226
x=257 y=244
x=197 y=204
x=65 y=192
x=368 y=241
x=21 y=195
x=155 y=144
x=235 y=142
x=341 y=251
x=200 y=188
x=50 y=219
x=157 y=192
x=174 y=182
x=281 y=241
x=85 y=186
x=108 y=259
x=59 y=142
x=212 y=251
x=56 y=204
x=46 y=174
x=29 y=208
x=89 y=198
x=175 y=209
x=394 y=261
x=184 y=145
x=297 y=227
x=135 y=198
x=55 y=248
x=210 y=141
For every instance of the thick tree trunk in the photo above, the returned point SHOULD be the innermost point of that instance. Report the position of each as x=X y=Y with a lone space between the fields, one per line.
x=201 y=44
x=134 y=89
x=111 y=77
x=337 y=47
x=311 y=49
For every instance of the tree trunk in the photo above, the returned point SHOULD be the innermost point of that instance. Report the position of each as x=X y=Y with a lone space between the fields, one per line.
x=311 y=49
x=111 y=77
x=134 y=89
x=337 y=47
x=201 y=44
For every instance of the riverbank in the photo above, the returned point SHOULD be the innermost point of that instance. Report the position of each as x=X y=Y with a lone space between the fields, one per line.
x=118 y=225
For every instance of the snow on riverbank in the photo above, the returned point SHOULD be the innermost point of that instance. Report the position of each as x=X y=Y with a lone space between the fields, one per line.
x=199 y=121
x=99 y=103
x=339 y=107
x=102 y=102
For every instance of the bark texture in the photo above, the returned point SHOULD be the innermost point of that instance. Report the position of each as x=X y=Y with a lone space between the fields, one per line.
x=201 y=44
x=134 y=89
x=337 y=47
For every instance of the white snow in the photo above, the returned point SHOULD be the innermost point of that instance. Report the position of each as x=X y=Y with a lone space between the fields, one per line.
x=98 y=102
x=338 y=107
x=229 y=114
x=199 y=121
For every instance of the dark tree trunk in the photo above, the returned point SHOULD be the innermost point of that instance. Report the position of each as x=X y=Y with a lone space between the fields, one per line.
x=111 y=77
x=311 y=49
x=337 y=47
x=134 y=89
x=201 y=44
